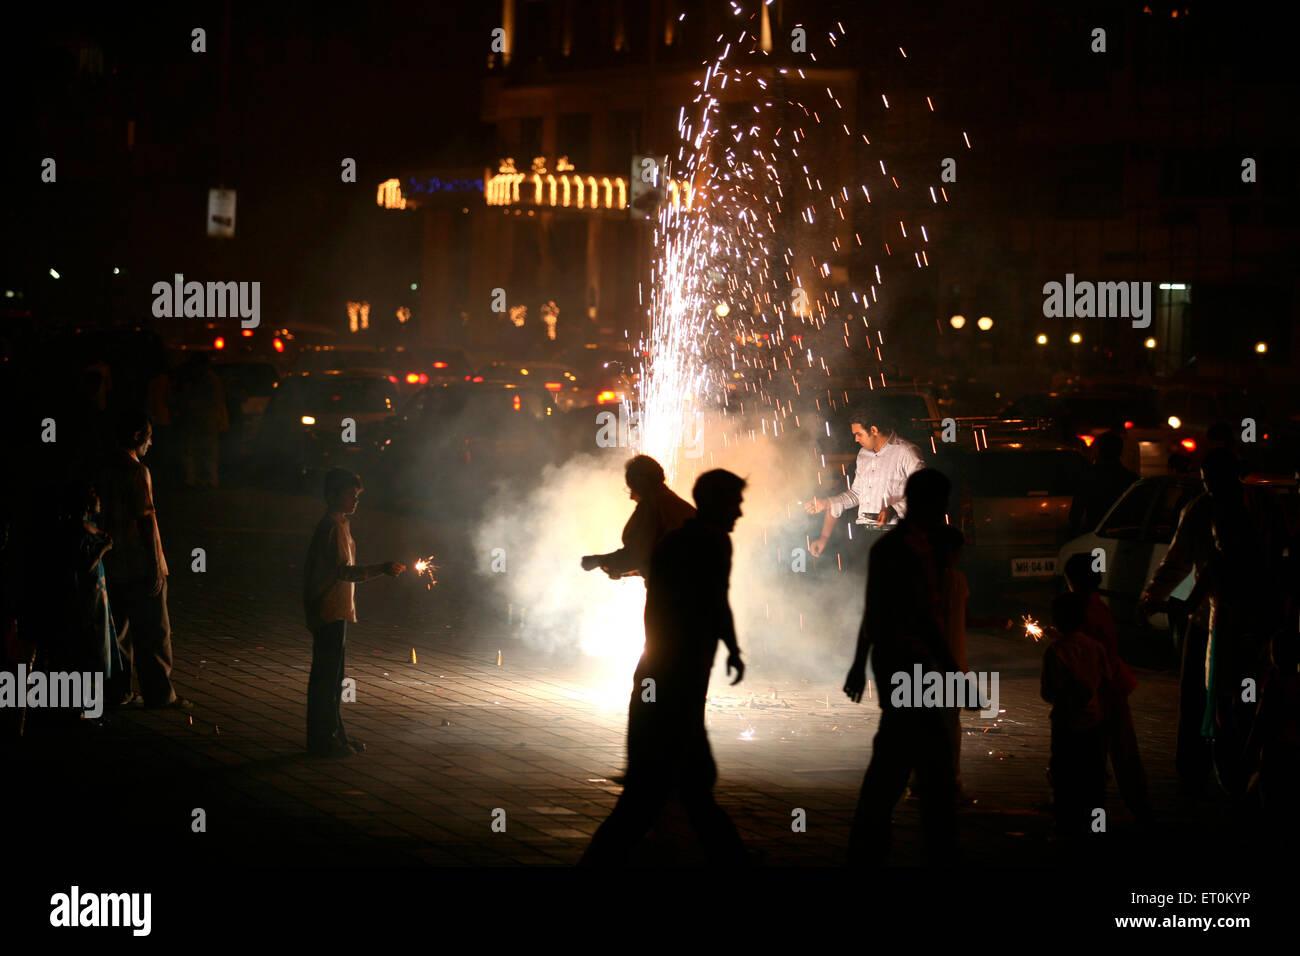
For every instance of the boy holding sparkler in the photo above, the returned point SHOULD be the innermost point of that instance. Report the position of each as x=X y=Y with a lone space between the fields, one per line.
x=1076 y=670
x=330 y=576
x=1121 y=738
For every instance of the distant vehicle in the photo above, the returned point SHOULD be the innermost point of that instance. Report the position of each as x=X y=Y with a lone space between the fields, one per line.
x=302 y=429
x=435 y=365
x=1011 y=501
x=248 y=386
x=555 y=377
x=451 y=443
x=1080 y=416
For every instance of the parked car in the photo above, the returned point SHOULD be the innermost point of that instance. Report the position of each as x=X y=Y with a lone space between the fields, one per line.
x=1011 y=500
x=450 y=443
x=1080 y=416
x=302 y=429
x=1136 y=533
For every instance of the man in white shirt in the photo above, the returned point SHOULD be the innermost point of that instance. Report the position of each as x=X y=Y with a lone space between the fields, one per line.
x=884 y=464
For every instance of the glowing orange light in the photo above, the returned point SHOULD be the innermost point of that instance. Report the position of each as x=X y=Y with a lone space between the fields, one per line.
x=553 y=386
x=218 y=343
x=478 y=378
x=604 y=397
x=439 y=364
x=1087 y=440
x=247 y=333
x=516 y=403
x=277 y=344
x=412 y=378
x=1128 y=424
x=1189 y=444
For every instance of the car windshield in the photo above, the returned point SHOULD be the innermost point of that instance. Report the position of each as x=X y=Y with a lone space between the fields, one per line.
x=1022 y=473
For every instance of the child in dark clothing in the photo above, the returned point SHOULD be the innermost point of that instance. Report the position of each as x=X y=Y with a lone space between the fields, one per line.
x=1121 y=737
x=1076 y=670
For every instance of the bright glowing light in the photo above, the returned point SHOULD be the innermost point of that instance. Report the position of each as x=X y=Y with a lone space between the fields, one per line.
x=1032 y=628
x=277 y=344
x=1261 y=347
x=1075 y=338
x=1042 y=339
x=1189 y=444
x=246 y=333
x=723 y=310
x=957 y=321
x=1175 y=421
x=308 y=420
x=1150 y=343
x=53 y=274
x=1087 y=440
x=218 y=343
x=985 y=323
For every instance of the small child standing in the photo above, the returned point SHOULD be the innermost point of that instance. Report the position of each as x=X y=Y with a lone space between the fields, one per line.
x=329 y=578
x=1076 y=670
x=1121 y=737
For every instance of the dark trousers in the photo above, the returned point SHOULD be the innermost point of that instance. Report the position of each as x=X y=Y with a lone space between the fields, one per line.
x=1130 y=775
x=667 y=754
x=1193 y=757
x=920 y=739
x=144 y=633
x=325 y=687
x=1078 y=770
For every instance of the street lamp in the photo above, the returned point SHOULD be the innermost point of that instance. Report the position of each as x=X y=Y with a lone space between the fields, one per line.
x=1150 y=343
x=1261 y=347
x=723 y=310
x=1075 y=338
x=1042 y=339
x=957 y=321
x=985 y=323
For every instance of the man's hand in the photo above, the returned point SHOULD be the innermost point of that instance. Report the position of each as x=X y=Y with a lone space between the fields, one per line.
x=816 y=506
x=590 y=562
x=734 y=661
x=884 y=516
x=818 y=546
x=394 y=568
x=856 y=683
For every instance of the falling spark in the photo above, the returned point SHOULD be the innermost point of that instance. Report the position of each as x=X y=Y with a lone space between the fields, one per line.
x=426 y=567
x=1032 y=628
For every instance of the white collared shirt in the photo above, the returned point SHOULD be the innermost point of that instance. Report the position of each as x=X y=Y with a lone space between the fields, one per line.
x=879 y=478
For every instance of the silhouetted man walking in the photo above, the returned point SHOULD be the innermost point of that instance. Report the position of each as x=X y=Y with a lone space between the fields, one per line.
x=686 y=615
x=904 y=626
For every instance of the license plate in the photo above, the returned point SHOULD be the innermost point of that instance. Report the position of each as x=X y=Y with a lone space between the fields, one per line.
x=1033 y=567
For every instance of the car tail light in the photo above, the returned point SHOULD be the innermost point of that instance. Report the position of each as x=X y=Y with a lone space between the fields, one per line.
x=247 y=333
x=424 y=378
x=393 y=379
x=1128 y=424
x=515 y=403
x=1087 y=440
x=604 y=397
x=553 y=386
x=412 y=378
x=467 y=378
x=439 y=364
x=277 y=344
x=218 y=343
x=1189 y=444
x=478 y=378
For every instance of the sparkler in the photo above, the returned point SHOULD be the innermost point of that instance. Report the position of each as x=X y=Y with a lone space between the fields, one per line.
x=1032 y=628
x=426 y=567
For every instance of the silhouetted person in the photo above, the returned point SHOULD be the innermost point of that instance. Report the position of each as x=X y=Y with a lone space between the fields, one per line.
x=905 y=624
x=1229 y=535
x=330 y=575
x=1101 y=484
x=686 y=614
x=202 y=405
x=658 y=511
x=1121 y=737
x=136 y=567
x=1076 y=670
